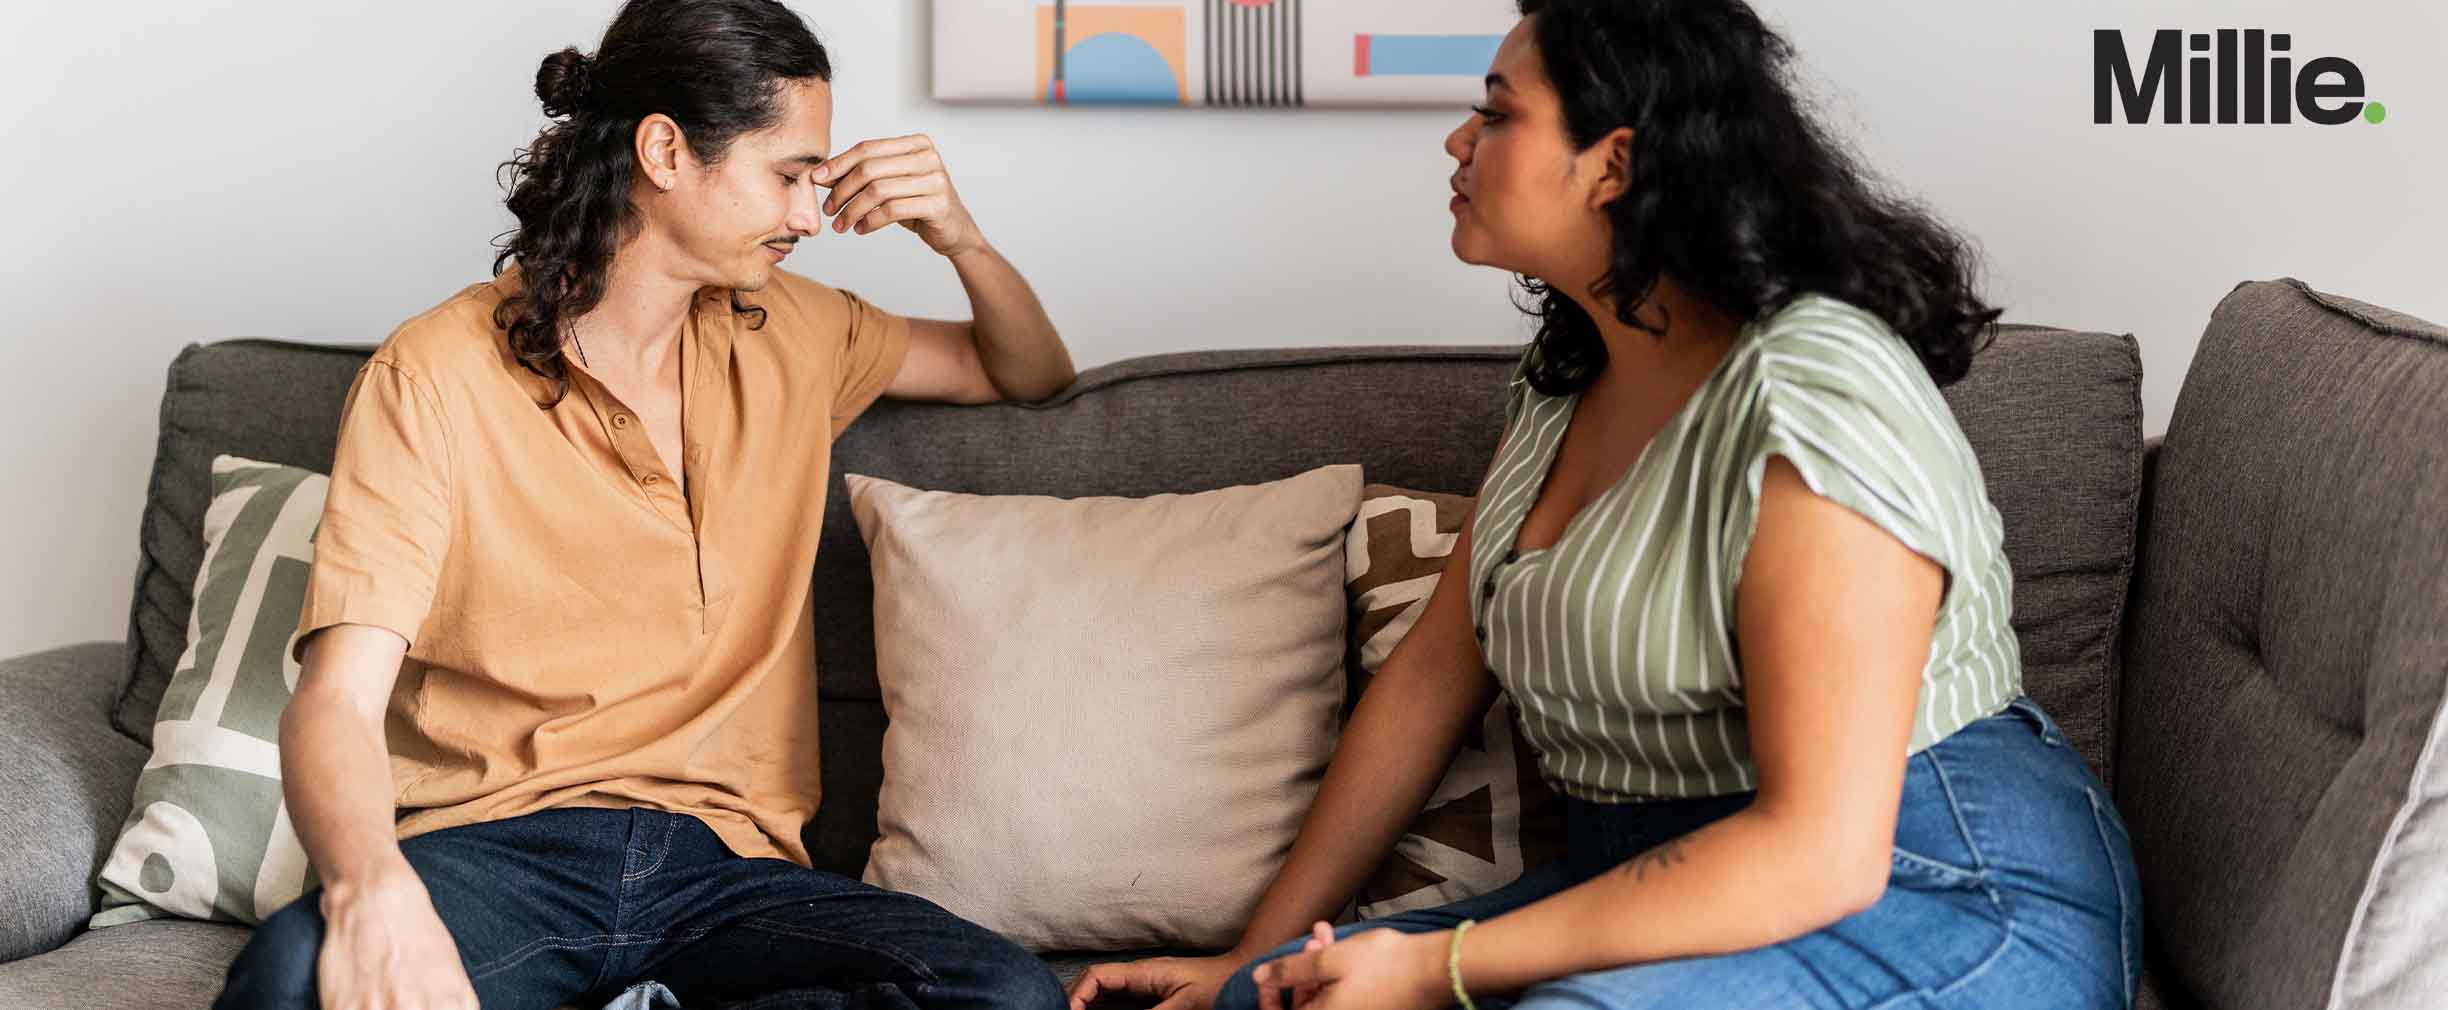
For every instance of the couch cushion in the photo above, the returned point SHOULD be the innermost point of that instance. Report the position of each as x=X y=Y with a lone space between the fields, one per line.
x=161 y=964
x=263 y=399
x=67 y=779
x=2283 y=686
x=2054 y=415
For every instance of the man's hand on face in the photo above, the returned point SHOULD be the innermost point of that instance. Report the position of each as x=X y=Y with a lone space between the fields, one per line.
x=900 y=180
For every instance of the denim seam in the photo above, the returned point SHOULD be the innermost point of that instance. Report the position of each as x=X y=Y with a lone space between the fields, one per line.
x=1946 y=785
x=913 y=965
x=662 y=851
x=534 y=947
x=2124 y=901
x=1954 y=875
x=2006 y=938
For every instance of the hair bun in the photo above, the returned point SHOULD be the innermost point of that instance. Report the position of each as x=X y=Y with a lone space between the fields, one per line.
x=562 y=82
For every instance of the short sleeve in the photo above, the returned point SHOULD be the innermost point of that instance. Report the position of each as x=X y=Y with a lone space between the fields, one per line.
x=386 y=523
x=871 y=355
x=1857 y=426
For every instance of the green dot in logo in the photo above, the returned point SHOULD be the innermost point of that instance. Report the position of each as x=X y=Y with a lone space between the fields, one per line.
x=2374 y=112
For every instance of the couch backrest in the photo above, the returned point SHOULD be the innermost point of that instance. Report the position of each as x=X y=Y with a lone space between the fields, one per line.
x=2054 y=416
x=2284 y=672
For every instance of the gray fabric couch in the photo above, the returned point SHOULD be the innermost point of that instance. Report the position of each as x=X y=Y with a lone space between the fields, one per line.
x=2242 y=629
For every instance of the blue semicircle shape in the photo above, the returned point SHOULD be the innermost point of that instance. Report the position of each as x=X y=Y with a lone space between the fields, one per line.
x=1117 y=69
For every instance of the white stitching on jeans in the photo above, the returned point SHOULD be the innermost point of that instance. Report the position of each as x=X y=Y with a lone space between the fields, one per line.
x=2124 y=901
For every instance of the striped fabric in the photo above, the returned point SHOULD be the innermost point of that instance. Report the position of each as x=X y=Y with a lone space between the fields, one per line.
x=1617 y=641
x=208 y=835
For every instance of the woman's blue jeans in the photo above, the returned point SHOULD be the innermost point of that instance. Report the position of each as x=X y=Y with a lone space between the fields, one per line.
x=2012 y=886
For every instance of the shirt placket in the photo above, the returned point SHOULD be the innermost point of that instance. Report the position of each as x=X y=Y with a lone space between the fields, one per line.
x=635 y=450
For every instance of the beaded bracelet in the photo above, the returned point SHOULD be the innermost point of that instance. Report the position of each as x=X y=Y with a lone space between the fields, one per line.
x=1453 y=965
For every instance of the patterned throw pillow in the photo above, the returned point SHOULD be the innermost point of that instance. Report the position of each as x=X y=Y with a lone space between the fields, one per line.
x=1491 y=817
x=209 y=836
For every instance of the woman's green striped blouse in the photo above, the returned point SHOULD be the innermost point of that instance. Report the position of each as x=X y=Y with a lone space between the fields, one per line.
x=1617 y=642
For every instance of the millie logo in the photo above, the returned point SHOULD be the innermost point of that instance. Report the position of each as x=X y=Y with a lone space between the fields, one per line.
x=2271 y=90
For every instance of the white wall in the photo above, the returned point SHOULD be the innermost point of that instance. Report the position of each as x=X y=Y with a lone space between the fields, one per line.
x=208 y=169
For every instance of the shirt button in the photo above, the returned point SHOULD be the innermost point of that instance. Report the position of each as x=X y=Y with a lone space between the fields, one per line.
x=1480 y=632
x=1487 y=590
x=652 y=479
x=620 y=420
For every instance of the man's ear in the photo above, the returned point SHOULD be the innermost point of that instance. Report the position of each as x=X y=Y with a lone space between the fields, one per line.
x=1614 y=155
x=661 y=151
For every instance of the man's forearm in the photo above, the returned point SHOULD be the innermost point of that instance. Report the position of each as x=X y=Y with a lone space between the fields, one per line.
x=336 y=777
x=1017 y=345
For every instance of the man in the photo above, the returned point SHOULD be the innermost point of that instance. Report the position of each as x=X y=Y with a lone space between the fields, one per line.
x=564 y=566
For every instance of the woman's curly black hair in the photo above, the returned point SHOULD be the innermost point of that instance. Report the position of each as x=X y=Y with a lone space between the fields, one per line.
x=1735 y=192
x=716 y=67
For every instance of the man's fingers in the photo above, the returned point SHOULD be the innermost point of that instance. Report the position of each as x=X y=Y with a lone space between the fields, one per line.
x=913 y=208
x=1180 y=1000
x=847 y=181
x=876 y=195
x=1104 y=979
x=840 y=163
x=843 y=161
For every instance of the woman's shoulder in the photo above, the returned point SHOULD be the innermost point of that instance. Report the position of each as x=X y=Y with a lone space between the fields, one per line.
x=1821 y=363
x=1819 y=341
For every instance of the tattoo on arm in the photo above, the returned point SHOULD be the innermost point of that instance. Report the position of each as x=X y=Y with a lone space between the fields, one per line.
x=1669 y=854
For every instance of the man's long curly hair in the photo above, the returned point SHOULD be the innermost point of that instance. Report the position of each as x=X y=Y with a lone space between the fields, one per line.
x=1736 y=192
x=716 y=67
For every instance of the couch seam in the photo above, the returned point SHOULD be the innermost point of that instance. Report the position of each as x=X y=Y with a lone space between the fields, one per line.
x=2337 y=304
x=1324 y=356
x=146 y=564
x=2113 y=628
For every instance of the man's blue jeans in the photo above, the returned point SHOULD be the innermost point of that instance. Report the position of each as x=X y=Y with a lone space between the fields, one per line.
x=572 y=906
x=2011 y=887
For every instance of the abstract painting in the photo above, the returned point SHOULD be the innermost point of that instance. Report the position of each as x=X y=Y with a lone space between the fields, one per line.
x=1216 y=52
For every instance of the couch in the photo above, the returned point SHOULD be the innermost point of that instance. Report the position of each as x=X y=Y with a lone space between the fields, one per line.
x=2243 y=626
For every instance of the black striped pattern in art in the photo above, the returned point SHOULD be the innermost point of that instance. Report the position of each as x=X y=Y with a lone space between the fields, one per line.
x=1253 y=53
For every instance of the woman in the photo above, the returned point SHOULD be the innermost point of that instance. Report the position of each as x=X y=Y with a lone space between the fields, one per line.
x=1735 y=565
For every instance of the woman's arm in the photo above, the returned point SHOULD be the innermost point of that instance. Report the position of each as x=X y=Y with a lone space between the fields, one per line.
x=1402 y=737
x=1834 y=617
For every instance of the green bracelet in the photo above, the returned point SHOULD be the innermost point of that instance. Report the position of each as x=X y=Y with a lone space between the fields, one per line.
x=1453 y=965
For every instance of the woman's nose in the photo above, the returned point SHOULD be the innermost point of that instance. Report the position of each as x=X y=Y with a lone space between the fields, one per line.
x=1458 y=143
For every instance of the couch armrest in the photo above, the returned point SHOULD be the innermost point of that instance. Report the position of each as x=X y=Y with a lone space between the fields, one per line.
x=68 y=778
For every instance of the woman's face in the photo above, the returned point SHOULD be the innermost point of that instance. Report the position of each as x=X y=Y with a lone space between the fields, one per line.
x=1526 y=200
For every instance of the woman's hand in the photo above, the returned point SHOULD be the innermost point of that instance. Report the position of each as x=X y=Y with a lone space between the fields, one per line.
x=900 y=180
x=1377 y=969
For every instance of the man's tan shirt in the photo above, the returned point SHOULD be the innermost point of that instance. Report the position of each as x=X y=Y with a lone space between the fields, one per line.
x=581 y=632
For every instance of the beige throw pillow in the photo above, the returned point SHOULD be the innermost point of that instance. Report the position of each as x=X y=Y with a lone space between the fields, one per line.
x=1107 y=715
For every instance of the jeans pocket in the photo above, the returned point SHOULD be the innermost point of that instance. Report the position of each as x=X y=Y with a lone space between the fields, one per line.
x=2117 y=848
x=1911 y=869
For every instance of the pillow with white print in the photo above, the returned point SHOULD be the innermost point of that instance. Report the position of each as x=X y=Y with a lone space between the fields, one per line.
x=209 y=836
x=1491 y=817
